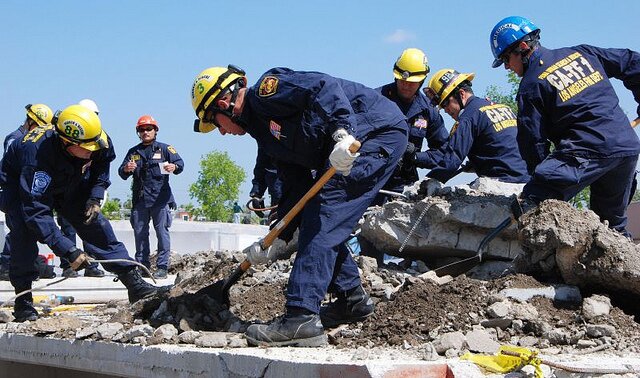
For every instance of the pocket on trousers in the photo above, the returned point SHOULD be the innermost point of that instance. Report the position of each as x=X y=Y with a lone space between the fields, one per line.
x=561 y=171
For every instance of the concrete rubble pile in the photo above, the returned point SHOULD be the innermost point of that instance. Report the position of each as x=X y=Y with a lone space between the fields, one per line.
x=418 y=313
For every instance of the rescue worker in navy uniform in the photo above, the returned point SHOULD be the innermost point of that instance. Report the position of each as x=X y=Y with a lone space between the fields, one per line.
x=38 y=115
x=150 y=163
x=308 y=121
x=483 y=132
x=410 y=70
x=565 y=98
x=265 y=178
x=44 y=172
x=67 y=229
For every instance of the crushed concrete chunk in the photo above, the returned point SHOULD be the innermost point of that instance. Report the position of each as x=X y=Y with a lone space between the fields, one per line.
x=480 y=341
x=212 y=340
x=596 y=305
x=108 y=330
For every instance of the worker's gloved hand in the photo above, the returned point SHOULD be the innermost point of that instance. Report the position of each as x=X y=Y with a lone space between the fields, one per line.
x=78 y=259
x=341 y=158
x=255 y=204
x=410 y=153
x=92 y=209
x=256 y=255
x=172 y=205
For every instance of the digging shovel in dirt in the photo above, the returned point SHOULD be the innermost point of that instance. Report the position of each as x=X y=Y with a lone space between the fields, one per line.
x=459 y=267
x=219 y=290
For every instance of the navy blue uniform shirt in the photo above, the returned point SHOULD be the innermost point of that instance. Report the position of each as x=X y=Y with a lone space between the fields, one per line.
x=565 y=98
x=425 y=122
x=309 y=108
x=486 y=134
x=38 y=171
x=150 y=186
x=293 y=114
x=16 y=134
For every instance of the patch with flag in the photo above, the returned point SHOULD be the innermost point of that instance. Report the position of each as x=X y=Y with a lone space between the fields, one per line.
x=268 y=86
x=275 y=129
x=420 y=123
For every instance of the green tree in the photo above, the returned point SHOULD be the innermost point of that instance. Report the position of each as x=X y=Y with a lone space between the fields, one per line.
x=218 y=185
x=498 y=96
x=111 y=209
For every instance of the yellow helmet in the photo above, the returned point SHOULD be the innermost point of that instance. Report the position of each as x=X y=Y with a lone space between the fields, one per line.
x=443 y=83
x=80 y=126
x=412 y=65
x=210 y=85
x=39 y=113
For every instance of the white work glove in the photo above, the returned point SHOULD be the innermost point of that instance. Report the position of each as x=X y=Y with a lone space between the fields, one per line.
x=341 y=158
x=257 y=256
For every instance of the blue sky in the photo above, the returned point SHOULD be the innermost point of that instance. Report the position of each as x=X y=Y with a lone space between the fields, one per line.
x=140 y=57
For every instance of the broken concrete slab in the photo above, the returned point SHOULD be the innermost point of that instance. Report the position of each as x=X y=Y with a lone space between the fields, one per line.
x=587 y=252
x=449 y=222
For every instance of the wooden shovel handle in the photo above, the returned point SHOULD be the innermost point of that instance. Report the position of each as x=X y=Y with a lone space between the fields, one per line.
x=282 y=224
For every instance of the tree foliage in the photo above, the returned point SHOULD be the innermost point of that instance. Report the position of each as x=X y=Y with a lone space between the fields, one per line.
x=111 y=209
x=218 y=186
x=499 y=96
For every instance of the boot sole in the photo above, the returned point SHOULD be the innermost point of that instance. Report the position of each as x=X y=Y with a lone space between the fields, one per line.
x=335 y=323
x=315 y=341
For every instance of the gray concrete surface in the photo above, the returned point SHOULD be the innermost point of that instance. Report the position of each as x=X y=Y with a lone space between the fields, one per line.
x=187 y=361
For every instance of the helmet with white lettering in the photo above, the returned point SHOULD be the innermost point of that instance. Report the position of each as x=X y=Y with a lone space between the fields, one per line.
x=210 y=85
x=78 y=125
x=444 y=83
x=412 y=65
x=508 y=32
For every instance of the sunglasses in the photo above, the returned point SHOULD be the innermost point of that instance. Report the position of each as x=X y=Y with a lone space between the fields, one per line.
x=142 y=129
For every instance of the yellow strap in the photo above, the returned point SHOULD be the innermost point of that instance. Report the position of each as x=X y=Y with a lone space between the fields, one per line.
x=509 y=358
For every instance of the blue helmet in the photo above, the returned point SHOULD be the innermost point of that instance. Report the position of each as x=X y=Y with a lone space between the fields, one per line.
x=506 y=33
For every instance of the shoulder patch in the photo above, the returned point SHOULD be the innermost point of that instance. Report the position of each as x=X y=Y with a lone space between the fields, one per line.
x=420 y=123
x=135 y=157
x=41 y=181
x=268 y=86
x=275 y=129
x=172 y=150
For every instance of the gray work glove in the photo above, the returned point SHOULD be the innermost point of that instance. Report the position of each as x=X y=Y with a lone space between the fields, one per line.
x=92 y=209
x=257 y=256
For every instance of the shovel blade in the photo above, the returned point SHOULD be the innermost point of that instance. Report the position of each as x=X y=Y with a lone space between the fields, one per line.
x=218 y=291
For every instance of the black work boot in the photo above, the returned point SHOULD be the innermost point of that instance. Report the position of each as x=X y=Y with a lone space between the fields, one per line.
x=23 y=309
x=351 y=306
x=298 y=327
x=137 y=287
x=93 y=272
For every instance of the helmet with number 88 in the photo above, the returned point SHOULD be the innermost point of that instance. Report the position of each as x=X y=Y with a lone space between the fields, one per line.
x=80 y=126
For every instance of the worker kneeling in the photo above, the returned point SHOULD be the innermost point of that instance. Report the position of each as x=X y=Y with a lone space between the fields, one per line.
x=63 y=168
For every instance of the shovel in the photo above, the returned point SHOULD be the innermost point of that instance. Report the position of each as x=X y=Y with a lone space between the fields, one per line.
x=219 y=290
x=459 y=267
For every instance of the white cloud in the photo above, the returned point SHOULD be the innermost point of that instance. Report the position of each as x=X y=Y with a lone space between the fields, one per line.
x=399 y=36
